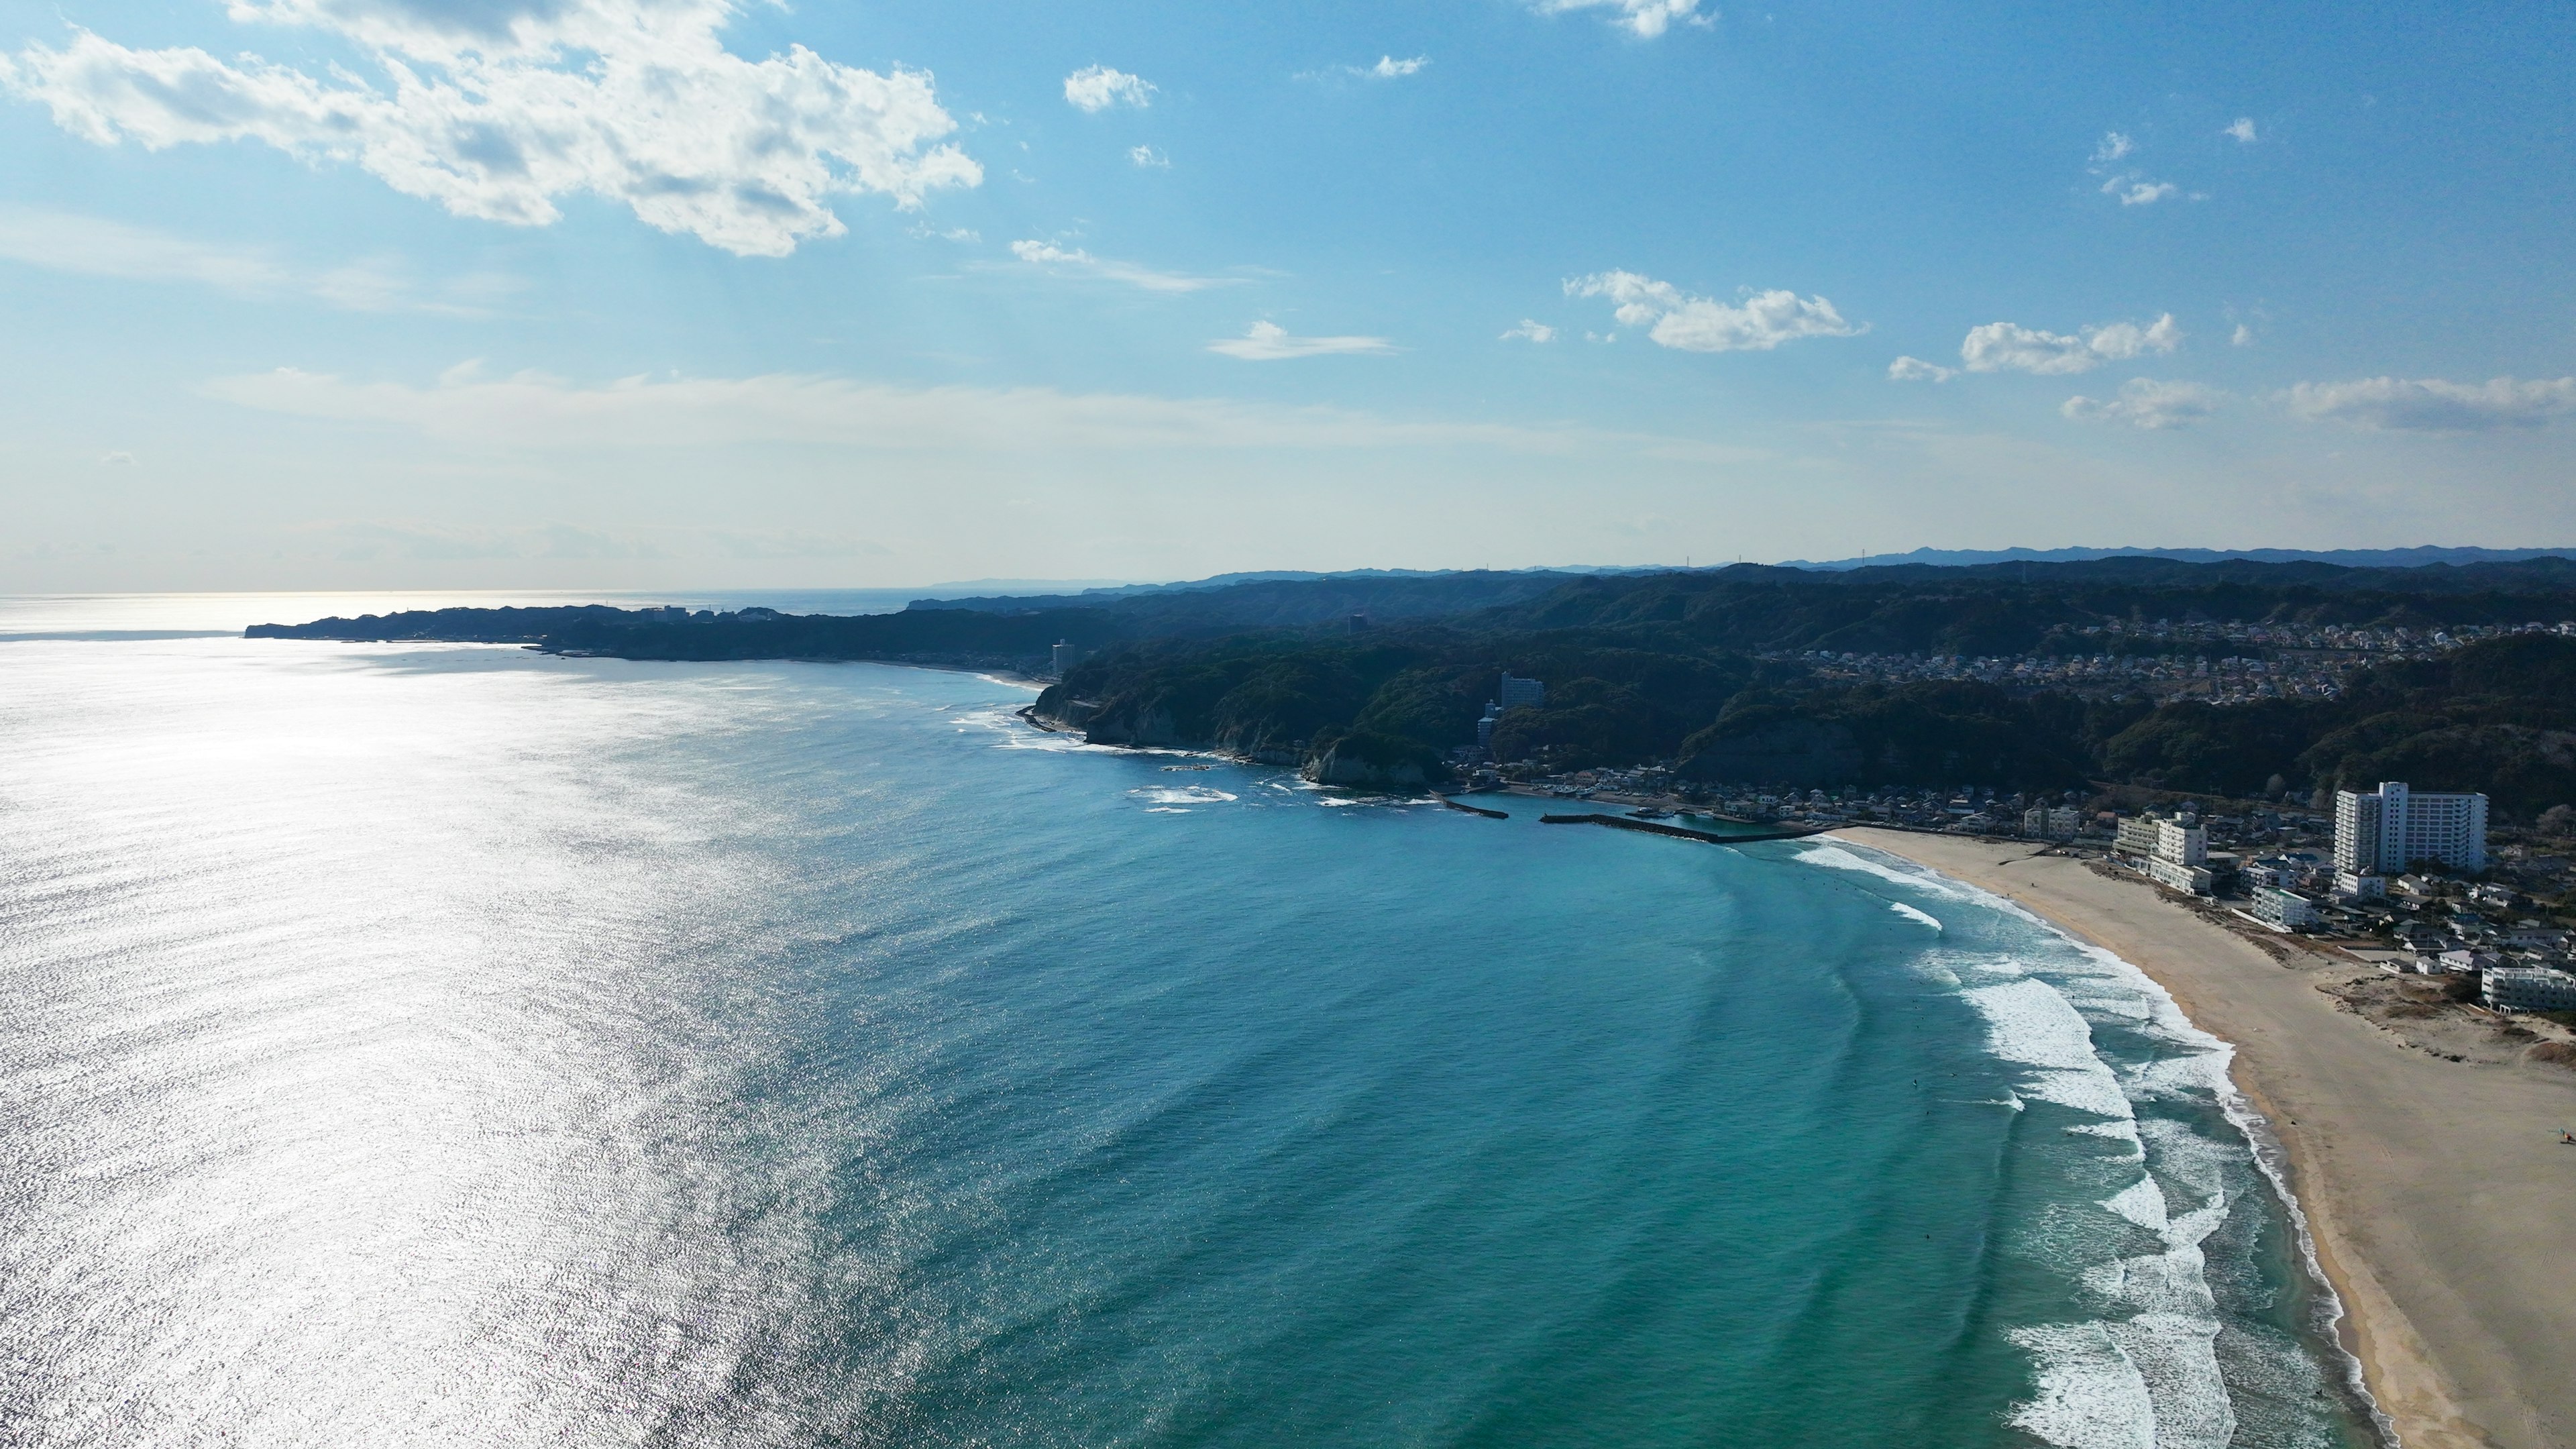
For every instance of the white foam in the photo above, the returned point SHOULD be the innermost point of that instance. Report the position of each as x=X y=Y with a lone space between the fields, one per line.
x=2028 y=1022
x=2141 y=1202
x=1911 y=914
x=1181 y=794
x=1837 y=858
x=2148 y=1376
x=2091 y=1395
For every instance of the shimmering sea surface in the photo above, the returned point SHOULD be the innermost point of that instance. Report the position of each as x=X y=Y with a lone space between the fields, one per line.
x=453 y=1046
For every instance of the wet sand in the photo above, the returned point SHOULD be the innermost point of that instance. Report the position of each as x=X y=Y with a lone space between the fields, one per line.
x=2443 y=1205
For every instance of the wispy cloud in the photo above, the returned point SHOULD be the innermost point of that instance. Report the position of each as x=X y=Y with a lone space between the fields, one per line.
x=361 y=540
x=1076 y=260
x=793 y=543
x=89 y=246
x=1762 y=321
x=2131 y=187
x=2008 y=347
x=1270 y=342
x=1915 y=369
x=2147 y=403
x=2433 y=405
x=2133 y=191
x=495 y=112
x=1389 y=68
x=1643 y=18
x=1530 y=331
x=1096 y=88
x=535 y=411
x=2242 y=130
x=1149 y=157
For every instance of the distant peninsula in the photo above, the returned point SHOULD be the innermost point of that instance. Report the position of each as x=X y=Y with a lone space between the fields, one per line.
x=2237 y=677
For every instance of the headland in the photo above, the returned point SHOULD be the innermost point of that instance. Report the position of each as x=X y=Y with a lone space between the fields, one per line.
x=2440 y=1198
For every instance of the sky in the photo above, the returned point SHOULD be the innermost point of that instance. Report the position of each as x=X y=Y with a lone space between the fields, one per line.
x=665 y=293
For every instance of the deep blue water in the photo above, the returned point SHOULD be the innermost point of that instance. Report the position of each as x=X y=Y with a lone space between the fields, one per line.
x=456 y=1046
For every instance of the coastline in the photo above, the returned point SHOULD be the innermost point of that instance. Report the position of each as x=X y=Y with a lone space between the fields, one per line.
x=2439 y=1203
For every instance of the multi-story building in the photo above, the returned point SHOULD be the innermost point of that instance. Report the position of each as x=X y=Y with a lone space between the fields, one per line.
x=2354 y=885
x=1519 y=692
x=2539 y=988
x=2284 y=910
x=2175 y=875
x=2393 y=827
x=2181 y=842
x=2137 y=835
x=2040 y=822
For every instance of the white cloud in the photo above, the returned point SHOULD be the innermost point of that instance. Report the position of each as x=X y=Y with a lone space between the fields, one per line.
x=1097 y=88
x=364 y=539
x=2134 y=192
x=1530 y=331
x=89 y=246
x=2113 y=147
x=2005 y=347
x=1915 y=369
x=1644 y=18
x=2242 y=130
x=533 y=411
x=793 y=543
x=1047 y=254
x=2433 y=405
x=118 y=459
x=1148 y=156
x=1389 y=68
x=495 y=110
x=2146 y=403
x=1700 y=324
x=2243 y=336
x=1270 y=342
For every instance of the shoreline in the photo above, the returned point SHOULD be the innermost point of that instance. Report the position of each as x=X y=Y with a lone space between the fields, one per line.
x=2436 y=1203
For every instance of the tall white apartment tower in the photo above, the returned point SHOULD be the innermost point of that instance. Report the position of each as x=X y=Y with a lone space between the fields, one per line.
x=2392 y=827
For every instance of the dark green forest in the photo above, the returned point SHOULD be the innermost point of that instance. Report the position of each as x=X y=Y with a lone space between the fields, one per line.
x=1701 y=670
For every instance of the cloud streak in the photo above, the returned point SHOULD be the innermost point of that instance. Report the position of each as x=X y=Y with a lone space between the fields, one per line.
x=1076 y=260
x=496 y=111
x=2009 y=347
x=535 y=411
x=1270 y=342
x=2149 y=404
x=89 y=246
x=2432 y=405
x=1762 y=321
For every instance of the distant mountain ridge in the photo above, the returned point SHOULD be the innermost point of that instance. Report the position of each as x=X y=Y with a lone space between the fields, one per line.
x=2359 y=558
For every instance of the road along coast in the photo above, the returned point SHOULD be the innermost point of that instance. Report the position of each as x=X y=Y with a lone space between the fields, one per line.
x=2442 y=1203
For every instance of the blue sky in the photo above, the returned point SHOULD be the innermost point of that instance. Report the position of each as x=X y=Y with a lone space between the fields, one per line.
x=319 y=293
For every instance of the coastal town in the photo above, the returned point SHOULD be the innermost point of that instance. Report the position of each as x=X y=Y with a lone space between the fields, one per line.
x=2396 y=877
x=2167 y=660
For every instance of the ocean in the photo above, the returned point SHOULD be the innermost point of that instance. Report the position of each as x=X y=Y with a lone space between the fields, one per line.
x=448 y=1045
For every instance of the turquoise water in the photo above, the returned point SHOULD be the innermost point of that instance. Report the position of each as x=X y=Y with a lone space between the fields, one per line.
x=453 y=1046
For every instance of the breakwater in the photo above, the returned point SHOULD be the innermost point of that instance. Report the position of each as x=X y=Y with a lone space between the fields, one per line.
x=1475 y=809
x=1622 y=822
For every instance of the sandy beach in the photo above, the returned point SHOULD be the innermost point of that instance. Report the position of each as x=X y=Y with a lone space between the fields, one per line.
x=2443 y=1205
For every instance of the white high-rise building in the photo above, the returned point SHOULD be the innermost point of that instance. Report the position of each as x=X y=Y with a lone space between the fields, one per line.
x=1518 y=692
x=2392 y=827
